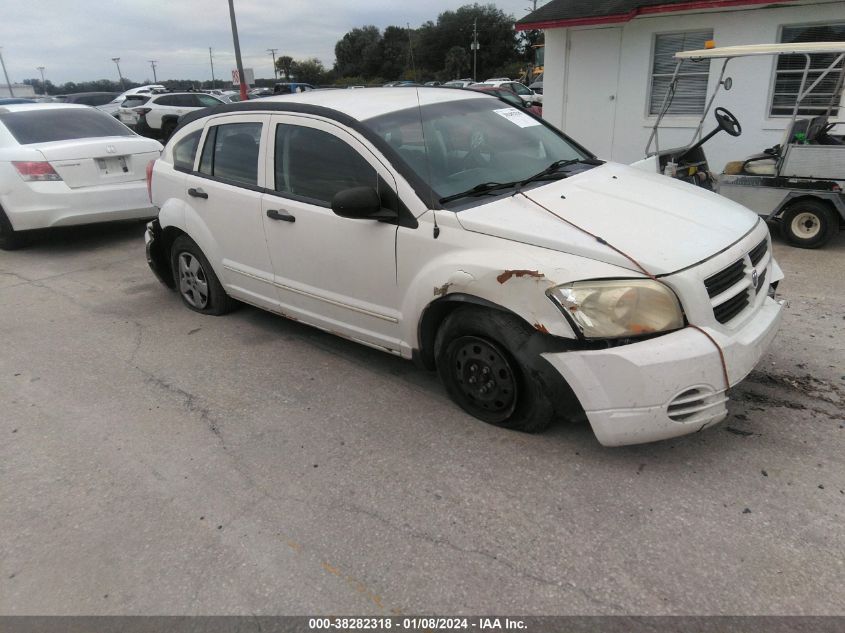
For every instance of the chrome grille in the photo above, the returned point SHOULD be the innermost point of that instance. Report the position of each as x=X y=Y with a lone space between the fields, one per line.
x=731 y=290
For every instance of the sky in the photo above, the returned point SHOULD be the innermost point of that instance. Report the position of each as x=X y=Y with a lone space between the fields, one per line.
x=75 y=40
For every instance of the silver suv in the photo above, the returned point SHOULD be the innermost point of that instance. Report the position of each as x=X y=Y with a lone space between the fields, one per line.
x=158 y=115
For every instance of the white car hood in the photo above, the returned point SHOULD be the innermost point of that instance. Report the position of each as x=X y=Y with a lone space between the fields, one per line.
x=664 y=224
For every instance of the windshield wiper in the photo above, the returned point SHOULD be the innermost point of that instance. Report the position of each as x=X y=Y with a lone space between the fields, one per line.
x=478 y=190
x=557 y=166
x=548 y=172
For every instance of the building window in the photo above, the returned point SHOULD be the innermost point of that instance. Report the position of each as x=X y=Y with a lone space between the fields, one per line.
x=691 y=91
x=790 y=70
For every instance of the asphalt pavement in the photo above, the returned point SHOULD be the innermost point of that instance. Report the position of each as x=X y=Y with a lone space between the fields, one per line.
x=157 y=461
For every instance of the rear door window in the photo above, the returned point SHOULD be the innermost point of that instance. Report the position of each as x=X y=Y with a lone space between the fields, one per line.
x=230 y=152
x=61 y=124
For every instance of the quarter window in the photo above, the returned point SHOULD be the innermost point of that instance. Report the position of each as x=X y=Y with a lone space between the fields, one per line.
x=231 y=152
x=185 y=151
x=790 y=70
x=206 y=101
x=691 y=90
x=314 y=164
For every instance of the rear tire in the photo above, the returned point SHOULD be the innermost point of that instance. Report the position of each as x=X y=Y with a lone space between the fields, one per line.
x=10 y=239
x=477 y=352
x=808 y=223
x=195 y=281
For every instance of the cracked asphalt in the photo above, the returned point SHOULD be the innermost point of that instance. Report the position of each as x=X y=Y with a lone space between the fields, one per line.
x=157 y=461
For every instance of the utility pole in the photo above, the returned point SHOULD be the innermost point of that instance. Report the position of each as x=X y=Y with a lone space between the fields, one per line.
x=6 y=75
x=116 y=61
x=474 y=49
x=211 y=59
x=43 y=83
x=153 y=63
x=238 y=60
x=272 y=52
x=411 y=50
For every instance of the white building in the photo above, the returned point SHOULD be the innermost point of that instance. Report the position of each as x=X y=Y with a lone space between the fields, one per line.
x=606 y=65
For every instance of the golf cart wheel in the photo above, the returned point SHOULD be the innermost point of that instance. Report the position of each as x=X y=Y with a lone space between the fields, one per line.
x=808 y=223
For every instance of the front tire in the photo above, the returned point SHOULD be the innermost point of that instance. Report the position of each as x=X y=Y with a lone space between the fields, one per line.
x=477 y=352
x=196 y=283
x=808 y=223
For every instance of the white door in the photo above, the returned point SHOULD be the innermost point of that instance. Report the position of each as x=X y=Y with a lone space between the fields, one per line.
x=592 y=81
x=333 y=272
x=225 y=192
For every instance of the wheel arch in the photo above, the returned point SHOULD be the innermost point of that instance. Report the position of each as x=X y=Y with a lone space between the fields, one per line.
x=836 y=202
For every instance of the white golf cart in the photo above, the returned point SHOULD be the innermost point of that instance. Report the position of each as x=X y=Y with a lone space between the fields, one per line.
x=797 y=183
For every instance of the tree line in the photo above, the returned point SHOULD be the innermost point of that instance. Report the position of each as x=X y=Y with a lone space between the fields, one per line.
x=437 y=50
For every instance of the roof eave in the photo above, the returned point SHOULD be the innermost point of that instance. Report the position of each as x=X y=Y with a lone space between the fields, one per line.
x=692 y=5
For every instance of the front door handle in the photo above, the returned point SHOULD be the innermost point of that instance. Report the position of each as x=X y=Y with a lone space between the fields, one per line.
x=197 y=193
x=284 y=216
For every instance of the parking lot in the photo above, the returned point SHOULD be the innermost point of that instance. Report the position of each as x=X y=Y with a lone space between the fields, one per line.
x=157 y=461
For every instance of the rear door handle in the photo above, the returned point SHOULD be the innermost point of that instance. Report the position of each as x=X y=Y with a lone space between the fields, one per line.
x=197 y=193
x=284 y=216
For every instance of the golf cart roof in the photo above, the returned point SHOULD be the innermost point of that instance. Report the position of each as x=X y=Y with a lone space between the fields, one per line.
x=749 y=50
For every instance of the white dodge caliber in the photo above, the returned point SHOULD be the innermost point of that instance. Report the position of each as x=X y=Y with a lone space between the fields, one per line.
x=64 y=164
x=448 y=227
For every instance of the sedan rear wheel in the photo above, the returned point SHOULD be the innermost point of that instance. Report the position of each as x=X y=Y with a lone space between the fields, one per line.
x=9 y=238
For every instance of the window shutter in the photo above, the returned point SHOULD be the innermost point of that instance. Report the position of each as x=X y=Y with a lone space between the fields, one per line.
x=691 y=92
x=790 y=70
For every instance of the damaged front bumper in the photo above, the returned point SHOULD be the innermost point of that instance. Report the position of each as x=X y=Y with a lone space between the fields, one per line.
x=666 y=386
x=157 y=258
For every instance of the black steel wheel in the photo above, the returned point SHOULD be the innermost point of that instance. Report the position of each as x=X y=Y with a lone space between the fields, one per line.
x=484 y=376
x=483 y=360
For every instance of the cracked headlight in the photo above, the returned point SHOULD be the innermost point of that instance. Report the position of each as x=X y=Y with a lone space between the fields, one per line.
x=619 y=307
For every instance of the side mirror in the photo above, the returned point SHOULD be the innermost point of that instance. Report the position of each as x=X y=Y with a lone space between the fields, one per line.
x=360 y=203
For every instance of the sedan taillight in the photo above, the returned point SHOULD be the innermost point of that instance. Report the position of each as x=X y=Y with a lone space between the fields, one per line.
x=36 y=170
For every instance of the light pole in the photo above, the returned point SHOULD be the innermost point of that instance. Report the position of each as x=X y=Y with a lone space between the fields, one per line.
x=6 y=75
x=211 y=59
x=43 y=83
x=272 y=52
x=116 y=61
x=238 y=61
x=153 y=63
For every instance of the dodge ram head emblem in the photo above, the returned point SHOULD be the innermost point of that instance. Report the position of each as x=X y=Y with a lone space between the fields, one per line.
x=754 y=280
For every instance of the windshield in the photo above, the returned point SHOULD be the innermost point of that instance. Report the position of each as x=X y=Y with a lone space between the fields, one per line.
x=456 y=145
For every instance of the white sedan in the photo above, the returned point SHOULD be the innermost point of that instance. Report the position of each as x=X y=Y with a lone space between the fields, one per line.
x=63 y=164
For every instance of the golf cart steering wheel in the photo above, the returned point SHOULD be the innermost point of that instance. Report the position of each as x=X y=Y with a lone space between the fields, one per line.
x=727 y=122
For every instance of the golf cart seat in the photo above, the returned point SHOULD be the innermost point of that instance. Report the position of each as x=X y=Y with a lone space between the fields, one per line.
x=765 y=164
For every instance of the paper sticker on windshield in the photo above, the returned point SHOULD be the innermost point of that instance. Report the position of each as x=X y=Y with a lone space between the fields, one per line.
x=517 y=117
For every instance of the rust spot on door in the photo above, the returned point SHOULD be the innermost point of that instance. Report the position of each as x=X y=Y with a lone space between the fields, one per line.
x=507 y=274
x=541 y=328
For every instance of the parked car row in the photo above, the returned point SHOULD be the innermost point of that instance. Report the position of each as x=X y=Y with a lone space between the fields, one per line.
x=158 y=114
x=66 y=164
